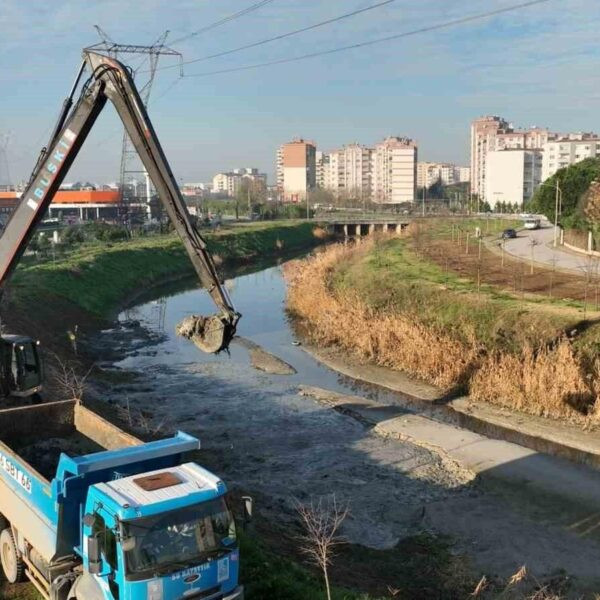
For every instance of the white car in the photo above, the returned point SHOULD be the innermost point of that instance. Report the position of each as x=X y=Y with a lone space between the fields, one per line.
x=531 y=224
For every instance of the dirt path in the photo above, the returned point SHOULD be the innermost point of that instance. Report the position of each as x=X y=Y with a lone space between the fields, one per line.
x=508 y=272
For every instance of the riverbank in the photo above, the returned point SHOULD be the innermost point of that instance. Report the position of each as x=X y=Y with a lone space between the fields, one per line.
x=384 y=301
x=82 y=290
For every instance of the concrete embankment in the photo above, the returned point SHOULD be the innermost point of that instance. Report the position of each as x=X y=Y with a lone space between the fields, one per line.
x=488 y=459
x=383 y=335
x=562 y=439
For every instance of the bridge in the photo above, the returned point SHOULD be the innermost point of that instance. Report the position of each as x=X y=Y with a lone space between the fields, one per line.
x=359 y=224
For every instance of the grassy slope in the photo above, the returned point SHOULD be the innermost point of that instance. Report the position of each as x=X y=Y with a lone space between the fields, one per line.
x=98 y=277
x=519 y=350
x=393 y=278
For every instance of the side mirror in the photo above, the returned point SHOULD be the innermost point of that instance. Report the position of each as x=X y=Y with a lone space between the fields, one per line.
x=248 y=508
x=93 y=552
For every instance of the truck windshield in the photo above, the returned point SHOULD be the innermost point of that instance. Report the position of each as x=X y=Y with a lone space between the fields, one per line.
x=177 y=540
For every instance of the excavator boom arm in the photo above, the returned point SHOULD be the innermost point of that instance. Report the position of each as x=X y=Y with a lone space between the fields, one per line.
x=111 y=80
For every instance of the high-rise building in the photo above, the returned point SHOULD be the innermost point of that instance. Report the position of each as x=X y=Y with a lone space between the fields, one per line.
x=567 y=150
x=512 y=176
x=350 y=171
x=322 y=171
x=297 y=170
x=464 y=174
x=429 y=173
x=483 y=139
x=394 y=171
x=489 y=134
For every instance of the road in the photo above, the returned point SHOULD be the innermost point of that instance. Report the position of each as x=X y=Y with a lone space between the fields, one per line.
x=543 y=251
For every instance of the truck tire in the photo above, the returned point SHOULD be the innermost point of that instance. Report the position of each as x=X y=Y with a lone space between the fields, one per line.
x=12 y=564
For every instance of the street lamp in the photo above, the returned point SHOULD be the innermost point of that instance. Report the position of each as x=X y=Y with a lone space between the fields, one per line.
x=557 y=207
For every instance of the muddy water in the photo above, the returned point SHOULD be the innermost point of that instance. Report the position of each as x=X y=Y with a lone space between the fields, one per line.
x=261 y=436
x=256 y=431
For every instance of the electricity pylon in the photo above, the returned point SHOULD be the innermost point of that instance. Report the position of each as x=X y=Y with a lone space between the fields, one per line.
x=129 y=197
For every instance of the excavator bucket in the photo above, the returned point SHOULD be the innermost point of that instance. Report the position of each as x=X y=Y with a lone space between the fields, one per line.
x=210 y=334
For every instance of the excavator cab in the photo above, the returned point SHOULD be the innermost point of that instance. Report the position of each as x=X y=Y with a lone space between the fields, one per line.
x=21 y=366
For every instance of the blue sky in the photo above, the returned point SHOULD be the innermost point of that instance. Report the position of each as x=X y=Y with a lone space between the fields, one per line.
x=537 y=66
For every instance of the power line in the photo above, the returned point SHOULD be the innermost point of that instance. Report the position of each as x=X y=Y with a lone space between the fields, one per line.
x=427 y=29
x=224 y=20
x=285 y=35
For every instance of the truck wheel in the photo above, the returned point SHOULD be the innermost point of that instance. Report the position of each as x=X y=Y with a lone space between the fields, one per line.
x=12 y=565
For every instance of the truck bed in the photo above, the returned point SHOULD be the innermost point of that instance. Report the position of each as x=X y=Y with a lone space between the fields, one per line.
x=38 y=434
x=43 y=454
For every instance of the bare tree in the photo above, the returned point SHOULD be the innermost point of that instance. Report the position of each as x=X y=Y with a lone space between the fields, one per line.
x=69 y=380
x=322 y=520
x=553 y=261
x=137 y=420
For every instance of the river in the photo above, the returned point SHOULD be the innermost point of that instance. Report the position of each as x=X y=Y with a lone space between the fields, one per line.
x=264 y=438
x=258 y=433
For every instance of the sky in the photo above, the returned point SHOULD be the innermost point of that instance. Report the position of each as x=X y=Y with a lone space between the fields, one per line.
x=535 y=66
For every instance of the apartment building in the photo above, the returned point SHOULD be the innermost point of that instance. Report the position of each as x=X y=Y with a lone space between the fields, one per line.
x=322 y=171
x=492 y=133
x=512 y=175
x=229 y=183
x=429 y=173
x=394 y=171
x=297 y=170
x=483 y=139
x=567 y=150
x=464 y=174
x=349 y=171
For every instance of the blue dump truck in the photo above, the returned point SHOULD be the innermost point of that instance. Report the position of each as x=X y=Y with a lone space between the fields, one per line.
x=90 y=512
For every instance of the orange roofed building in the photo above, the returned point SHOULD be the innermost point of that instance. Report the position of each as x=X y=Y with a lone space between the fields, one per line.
x=82 y=204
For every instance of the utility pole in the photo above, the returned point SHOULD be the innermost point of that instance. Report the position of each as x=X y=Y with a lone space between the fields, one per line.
x=153 y=52
x=424 y=189
x=558 y=193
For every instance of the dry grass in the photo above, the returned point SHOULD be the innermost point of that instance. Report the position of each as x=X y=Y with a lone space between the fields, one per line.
x=548 y=379
x=390 y=340
x=550 y=382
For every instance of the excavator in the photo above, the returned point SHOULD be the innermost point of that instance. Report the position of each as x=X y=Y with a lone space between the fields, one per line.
x=107 y=79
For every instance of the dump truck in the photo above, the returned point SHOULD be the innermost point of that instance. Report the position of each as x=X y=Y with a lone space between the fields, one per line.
x=90 y=512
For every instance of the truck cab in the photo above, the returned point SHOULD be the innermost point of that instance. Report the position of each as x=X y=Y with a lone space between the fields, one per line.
x=90 y=512
x=21 y=367
x=167 y=533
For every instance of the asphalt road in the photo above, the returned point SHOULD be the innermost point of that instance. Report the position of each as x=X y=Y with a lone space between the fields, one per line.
x=543 y=251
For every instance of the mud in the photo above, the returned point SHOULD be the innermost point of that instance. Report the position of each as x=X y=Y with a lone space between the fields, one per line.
x=261 y=436
x=265 y=361
x=44 y=455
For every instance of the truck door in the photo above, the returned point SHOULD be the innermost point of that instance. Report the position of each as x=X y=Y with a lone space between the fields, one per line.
x=108 y=573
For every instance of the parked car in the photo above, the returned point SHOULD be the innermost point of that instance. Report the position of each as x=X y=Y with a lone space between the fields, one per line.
x=509 y=234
